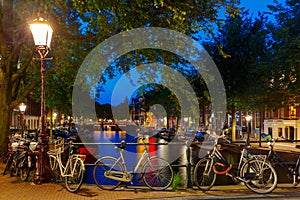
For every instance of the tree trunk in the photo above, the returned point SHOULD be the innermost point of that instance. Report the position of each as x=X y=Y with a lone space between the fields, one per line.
x=7 y=61
x=5 y=113
x=261 y=127
x=233 y=126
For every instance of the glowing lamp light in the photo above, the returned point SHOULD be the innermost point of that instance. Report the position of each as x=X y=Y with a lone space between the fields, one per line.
x=22 y=107
x=42 y=32
x=248 y=118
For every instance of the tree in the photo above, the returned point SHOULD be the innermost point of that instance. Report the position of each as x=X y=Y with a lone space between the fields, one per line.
x=19 y=75
x=285 y=83
x=12 y=75
x=72 y=41
x=158 y=94
x=240 y=52
x=108 y=18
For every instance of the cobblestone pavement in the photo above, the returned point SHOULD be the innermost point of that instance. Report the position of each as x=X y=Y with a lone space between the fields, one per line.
x=14 y=188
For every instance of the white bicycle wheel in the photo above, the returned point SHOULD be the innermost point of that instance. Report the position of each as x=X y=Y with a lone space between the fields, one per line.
x=75 y=173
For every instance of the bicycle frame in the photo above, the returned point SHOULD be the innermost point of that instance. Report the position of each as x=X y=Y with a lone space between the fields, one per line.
x=63 y=168
x=57 y=157
x=231 y=171
x=218 y=158
x=121 y=160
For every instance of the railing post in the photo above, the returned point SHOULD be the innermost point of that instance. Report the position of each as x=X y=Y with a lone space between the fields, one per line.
x=188 y=167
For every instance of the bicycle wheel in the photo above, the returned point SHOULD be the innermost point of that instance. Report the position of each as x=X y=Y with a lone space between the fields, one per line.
x=75 y=172
x=55 y=171
x=204 y=176
x=8 y=165
x=24 y=169
x=104 y=166
x=260 y=176
x=13 y=168
x=157 y=174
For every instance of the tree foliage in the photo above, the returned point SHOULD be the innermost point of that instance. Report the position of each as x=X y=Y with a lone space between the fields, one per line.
x=19 y=75
x=78 y=27
x=285 y=48
x=241 y=51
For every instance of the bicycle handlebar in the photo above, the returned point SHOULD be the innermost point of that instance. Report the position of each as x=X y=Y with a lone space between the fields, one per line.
x=272 y=142
x=215 y=137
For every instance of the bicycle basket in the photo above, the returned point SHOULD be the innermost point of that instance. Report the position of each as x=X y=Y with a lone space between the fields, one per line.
x=59 y=144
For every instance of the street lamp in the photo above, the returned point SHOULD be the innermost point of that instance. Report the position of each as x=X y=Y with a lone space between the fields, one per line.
x=42 y=34
x=54 y=119
x=248 y=119
x=22 y=108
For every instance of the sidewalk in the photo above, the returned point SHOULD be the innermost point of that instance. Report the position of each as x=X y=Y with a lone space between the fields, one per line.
x=14 y=188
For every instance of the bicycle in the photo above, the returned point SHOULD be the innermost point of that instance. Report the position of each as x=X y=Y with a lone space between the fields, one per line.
x=17 y=154
x=11 y=154
x=27 y=163
x=73 y=171
x=292 y=170
x=253 y=170
x=109 y=172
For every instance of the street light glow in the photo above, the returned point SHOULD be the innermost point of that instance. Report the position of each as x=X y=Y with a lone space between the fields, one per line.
x=42 y=32
x=248 y=118
x=22 y=107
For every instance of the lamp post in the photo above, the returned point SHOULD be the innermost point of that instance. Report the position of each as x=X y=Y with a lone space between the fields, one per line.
x=248 y=119
x=22 y=108
x=42 y=34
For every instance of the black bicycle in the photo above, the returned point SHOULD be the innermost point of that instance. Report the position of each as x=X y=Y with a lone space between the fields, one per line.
x=253 y=170
x=292 y=170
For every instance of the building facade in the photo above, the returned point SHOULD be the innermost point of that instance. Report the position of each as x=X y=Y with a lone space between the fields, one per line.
x=31 y=116
x=284 y=122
